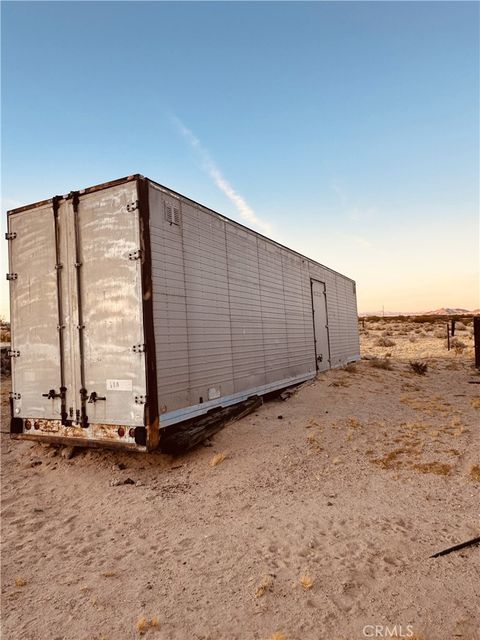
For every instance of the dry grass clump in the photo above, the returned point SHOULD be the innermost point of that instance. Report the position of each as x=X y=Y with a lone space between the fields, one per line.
x=218 y=458
x=412 y=339
x=314 y=443
x=20 y=582
x=393 y=460
x=439 y=333
x=453 y=366
x=354 y=423
x=278 y=635
x=351 y=367
x=474 y=472
x=385 y=342
x=429 y=405
x=420 y=368
x=475 y=402
x=390 y=460
x=265 y=585
x=339 y=383
x=457 y=345
x=381 y=363
x=439 y=468
x=143 y=624
x=307 y=582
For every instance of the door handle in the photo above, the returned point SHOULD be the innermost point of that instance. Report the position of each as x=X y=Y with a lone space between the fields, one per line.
x=52 y=394
x=94 y=397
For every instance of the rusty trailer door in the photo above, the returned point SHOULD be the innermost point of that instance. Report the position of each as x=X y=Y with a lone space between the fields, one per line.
x=78 y=347
x=36 y=344
x=111 y=364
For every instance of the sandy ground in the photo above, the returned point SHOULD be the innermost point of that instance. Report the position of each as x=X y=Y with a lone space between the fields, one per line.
x=347 y=487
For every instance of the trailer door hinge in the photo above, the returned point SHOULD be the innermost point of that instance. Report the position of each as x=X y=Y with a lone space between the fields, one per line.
x=138 y=348
x=12 y=276
x=132 y=206
x=135 y=255
x=15 y=396
x=11 y=235
x=13 y=353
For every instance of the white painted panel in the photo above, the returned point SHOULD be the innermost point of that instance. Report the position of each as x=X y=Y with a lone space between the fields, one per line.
x=34 y=314
x=233 y=310
x=111 y=298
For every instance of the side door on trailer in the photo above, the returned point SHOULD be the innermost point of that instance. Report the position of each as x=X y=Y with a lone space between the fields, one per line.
x=320 y=325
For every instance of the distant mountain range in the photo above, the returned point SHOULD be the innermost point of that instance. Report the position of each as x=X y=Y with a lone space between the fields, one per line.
x=450 y=311
x=444 y=311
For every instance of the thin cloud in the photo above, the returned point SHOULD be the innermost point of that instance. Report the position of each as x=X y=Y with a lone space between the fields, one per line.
x=353 y=213
x=244 y=209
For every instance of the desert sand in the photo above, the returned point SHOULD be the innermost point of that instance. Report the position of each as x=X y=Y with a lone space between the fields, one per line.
x=317 y=521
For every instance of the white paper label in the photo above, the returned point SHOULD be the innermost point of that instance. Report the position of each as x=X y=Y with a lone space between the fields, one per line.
x=119 y=385
x=213 y=393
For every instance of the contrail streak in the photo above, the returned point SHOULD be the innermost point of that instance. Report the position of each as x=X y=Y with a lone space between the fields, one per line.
x=244 y=209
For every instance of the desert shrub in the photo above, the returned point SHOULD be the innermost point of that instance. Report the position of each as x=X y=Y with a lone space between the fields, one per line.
x=381 y=363
x=386 y=333
x=460 y=326
x=440 y=333
x=351 y=367
x=457 y=344
x=412 y=338
x=385 y=342
x=419 y=368
x=5 y=333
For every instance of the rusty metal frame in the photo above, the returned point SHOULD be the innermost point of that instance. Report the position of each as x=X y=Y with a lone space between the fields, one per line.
x=79 y=442
x=60 y=328
x=151 y=416
x=97 y=187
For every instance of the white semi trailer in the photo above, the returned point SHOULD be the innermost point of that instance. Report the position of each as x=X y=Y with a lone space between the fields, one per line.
x=134 y=308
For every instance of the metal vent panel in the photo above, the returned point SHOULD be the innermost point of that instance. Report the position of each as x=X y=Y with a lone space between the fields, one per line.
x=172 y=214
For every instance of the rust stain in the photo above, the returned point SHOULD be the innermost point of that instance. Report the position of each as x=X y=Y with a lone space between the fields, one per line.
x=96 y=435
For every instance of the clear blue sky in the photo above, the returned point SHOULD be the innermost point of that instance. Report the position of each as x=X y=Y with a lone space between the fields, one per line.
x=349 y=131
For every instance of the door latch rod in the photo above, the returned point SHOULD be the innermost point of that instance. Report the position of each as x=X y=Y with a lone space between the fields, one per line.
x=94 y=397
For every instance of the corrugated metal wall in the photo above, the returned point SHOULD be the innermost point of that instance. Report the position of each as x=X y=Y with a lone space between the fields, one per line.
x=232 y=310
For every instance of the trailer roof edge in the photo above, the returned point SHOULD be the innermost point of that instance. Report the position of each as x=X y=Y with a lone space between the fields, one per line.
x=136 y=176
